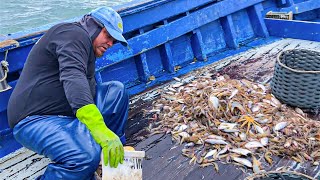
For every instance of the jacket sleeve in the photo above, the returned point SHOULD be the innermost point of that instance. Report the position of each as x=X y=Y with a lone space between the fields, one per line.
x=73 y=50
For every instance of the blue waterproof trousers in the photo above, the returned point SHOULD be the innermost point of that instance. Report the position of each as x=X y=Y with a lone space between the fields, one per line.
x=67 y=142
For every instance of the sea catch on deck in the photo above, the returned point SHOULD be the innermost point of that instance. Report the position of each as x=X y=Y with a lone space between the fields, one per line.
x=236 y=117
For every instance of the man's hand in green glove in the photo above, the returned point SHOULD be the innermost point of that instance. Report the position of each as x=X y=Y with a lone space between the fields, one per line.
x=112 y=149
x=110 y=143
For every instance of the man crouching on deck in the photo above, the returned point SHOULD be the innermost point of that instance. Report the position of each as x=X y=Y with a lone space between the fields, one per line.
x=56 y=108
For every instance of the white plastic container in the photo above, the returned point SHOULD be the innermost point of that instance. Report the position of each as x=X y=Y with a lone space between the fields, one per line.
x=131 y=169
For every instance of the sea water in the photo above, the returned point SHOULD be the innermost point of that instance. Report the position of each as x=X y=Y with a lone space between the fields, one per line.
x=19 y=15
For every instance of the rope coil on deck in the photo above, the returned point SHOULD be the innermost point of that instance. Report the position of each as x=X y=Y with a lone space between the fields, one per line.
x=296 y=79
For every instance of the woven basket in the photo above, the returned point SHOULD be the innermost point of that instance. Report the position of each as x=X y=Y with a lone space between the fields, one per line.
x=296 y=79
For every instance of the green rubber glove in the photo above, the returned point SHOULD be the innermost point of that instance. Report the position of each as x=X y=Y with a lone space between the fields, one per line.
x=110 y=143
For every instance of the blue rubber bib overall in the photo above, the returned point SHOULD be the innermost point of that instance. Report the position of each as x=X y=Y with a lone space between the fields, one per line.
x=67 y=142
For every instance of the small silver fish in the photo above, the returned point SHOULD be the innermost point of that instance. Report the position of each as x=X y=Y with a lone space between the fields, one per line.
x=215 y=141
x=280 y=126
x=264 y=141
x=210 y=153
x=240 y=151
x=253 y=144
x=242 y=161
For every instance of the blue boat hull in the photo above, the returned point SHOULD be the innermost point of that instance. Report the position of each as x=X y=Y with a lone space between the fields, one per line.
x=169 y=38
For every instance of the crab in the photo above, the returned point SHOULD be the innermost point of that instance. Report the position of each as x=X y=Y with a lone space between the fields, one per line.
x=247 y=120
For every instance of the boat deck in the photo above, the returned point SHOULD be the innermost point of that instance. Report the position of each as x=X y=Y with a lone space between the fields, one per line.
x=163 y=157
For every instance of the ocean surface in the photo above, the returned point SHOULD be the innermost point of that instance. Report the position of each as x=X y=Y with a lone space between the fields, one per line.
x=19 y=15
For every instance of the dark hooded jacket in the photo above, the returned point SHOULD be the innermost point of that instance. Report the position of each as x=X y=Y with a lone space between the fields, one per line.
x=58 y=76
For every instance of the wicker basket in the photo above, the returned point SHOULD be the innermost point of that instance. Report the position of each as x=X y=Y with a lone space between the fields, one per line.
x=296 y=79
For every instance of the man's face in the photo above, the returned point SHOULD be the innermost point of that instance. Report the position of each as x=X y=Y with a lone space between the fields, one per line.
x=102 y=42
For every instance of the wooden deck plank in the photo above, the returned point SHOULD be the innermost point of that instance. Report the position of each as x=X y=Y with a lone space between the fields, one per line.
x=23 y=166
x=16 y=158
x=32 y=168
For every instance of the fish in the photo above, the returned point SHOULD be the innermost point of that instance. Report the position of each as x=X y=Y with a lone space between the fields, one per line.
x=212 y=136
x=181 y=128
x=242 y=161
x=240 y=151
x=255 y=108
x=176 y=85
x=253 y=144
x=264 y=141
x=190 y=144
x=224 y=150
x=280 y=126
x=184 y=134
x=259 y=129
x=215 y=141
x=214 y=102
x=211 y=153
x=233 y=93
x=228 y=127
x=243 y=136
x=177 y=79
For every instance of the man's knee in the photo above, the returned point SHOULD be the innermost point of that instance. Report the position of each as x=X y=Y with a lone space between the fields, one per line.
x=118 y=84
x=74 y=166
x=93 y=159
x=87 y=162
x=115 y=86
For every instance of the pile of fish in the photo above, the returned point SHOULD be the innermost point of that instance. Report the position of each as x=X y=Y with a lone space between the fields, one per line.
x=234 y=121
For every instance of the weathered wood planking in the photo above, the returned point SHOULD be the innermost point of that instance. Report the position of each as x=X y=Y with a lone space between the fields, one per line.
x=23 y=164
x=164 y=159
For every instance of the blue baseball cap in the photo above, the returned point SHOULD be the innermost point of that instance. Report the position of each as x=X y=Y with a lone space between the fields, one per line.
x=112 y=21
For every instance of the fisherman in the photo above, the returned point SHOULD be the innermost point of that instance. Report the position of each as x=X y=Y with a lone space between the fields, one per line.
x=56 y=108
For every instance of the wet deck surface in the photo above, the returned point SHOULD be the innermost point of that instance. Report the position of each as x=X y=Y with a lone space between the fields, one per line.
x=164 y=159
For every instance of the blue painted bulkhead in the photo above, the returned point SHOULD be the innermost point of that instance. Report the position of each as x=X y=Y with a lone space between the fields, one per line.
x=167 y=38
